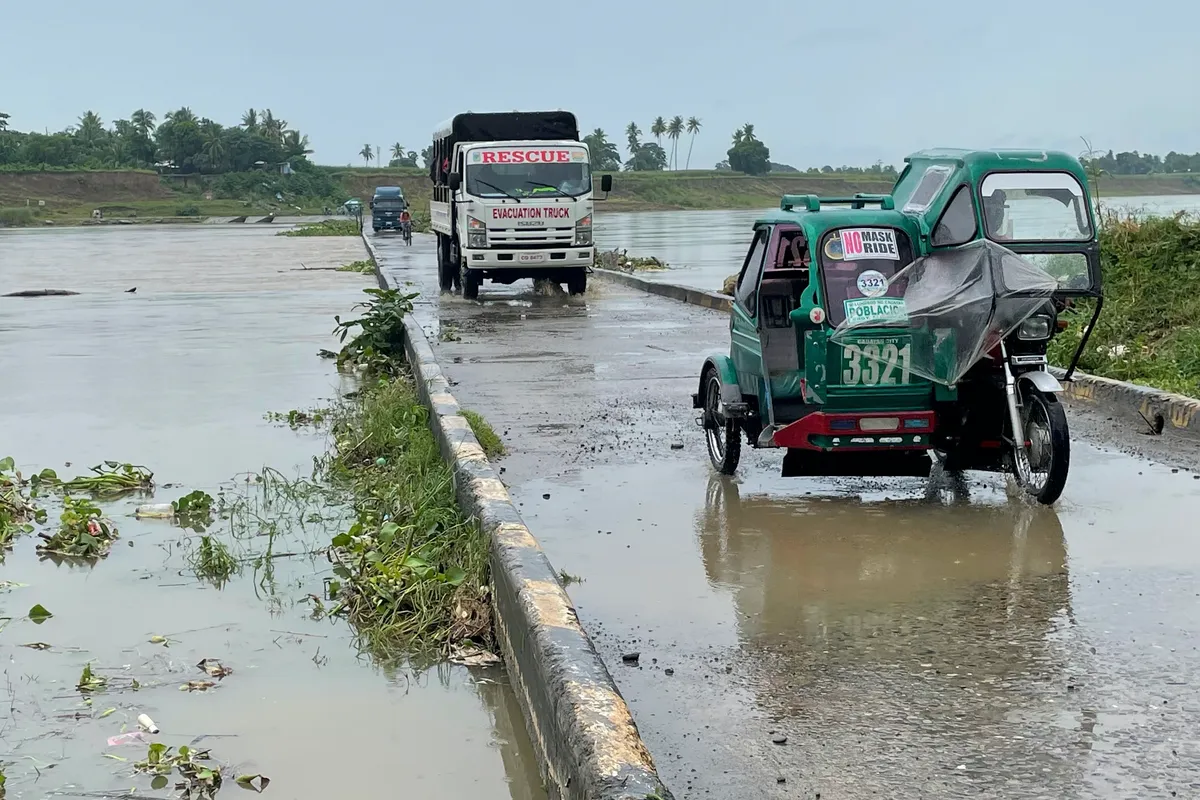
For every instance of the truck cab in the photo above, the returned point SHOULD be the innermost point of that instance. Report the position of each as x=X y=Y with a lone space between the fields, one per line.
x=512 y=199
x=387 y=204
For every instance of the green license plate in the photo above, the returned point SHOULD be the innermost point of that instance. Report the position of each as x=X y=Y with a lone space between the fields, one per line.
x=877 y=361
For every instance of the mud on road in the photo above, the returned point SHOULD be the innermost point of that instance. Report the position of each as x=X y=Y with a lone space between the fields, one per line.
x=223 y=328
x=851 y=638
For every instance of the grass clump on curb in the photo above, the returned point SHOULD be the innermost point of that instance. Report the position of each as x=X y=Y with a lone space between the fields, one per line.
x=327 y=227
x=489 y=440
x=412 y=571
x=621 y=261
x=1149 y=330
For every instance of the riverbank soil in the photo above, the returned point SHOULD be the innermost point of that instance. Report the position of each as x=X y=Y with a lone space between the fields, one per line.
x=223 y=328
x=70 y=197
x=843 y=637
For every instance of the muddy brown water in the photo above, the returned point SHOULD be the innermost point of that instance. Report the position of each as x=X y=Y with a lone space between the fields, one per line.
x=705 y=247
x=177 y=376
x=907 y=637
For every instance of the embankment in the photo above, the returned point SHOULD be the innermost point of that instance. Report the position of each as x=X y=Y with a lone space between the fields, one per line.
x=72 y=195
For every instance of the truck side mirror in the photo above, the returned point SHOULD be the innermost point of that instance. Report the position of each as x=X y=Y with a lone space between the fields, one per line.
x=454 y=180
x=606 y=183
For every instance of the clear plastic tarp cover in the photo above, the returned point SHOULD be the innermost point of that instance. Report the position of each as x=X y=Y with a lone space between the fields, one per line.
x=956 y=305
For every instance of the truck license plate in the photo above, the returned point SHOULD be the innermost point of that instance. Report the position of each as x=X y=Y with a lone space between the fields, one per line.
x=531 y=258
x=877 y=361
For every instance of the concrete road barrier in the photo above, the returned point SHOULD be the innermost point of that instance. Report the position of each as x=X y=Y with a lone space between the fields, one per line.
x=684 y=294
x=1162 y=411
x=587 y=744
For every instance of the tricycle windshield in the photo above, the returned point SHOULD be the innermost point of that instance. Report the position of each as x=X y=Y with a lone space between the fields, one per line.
x=857 y=266
x=1034 y=207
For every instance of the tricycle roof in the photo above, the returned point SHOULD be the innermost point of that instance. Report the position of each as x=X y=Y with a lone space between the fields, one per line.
x=980 y=162
x=819 y=215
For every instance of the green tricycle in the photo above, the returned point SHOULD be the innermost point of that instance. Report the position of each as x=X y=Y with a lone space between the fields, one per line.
x=873 y=332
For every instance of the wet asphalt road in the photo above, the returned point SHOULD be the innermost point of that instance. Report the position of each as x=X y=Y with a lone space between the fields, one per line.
x=908 y=638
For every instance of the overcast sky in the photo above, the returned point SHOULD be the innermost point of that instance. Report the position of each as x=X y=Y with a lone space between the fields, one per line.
x=823 y=83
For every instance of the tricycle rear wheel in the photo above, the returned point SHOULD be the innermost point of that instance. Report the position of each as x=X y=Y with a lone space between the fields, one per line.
x=724 y=436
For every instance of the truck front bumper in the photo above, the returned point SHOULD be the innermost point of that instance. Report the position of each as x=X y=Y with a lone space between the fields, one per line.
x=525 y=260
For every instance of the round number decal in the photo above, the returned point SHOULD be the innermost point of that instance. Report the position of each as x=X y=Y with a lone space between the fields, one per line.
x=871 y=283
x=817 y=315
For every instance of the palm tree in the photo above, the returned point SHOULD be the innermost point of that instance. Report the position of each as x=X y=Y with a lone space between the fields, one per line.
x=214 y=144
x=397 y=151
x=603 y=152
x=658 y=128
x=748 y=132
x=632 y=132
x=4 y=118
x=693 y=127
x=184 y=114
x=250 y=120
x=738 y=136
x=91 y=129
x=272 y=127
x=295 y=145
x=367 y=154
x=674 y=131
x=143 y=121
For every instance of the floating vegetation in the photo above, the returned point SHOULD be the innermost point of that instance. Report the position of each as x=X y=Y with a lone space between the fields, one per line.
x=328 y=227
x=194 y=510
x=211 y=560
x=296 y=418
x=378 y=347
x=83 y=531
x=364 y=266
x=108 y=480
x=17 y=508
x=621 y=261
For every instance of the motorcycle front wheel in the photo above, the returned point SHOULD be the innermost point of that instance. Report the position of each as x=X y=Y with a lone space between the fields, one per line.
x=1048 y=453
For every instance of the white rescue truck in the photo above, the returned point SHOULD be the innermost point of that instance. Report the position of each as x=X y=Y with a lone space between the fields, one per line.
x=512 y=199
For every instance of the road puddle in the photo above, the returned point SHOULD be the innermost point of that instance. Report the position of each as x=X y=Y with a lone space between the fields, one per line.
x=224 y=327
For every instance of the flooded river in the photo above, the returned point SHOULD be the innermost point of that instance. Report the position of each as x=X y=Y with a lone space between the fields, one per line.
x=703 y=248
x=177 y=376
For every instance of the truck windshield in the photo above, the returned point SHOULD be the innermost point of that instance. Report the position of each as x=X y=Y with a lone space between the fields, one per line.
x=529 y=180
x=1034 y=207
x=390 y=204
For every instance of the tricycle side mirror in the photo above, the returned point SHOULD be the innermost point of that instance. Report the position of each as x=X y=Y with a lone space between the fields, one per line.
x=454 y=180
x=606 y=183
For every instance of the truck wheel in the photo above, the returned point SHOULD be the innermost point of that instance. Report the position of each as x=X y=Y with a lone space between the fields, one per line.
x=577 y=283
x=471 y=278
x=446 y=271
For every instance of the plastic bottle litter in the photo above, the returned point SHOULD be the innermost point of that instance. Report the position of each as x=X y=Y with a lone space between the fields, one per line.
x=155 y=511
x=133 y=737
x=147 y=723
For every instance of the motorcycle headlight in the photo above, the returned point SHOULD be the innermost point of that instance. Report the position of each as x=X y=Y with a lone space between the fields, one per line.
x=1036 y=328
x=583 y=231
x=476 y=233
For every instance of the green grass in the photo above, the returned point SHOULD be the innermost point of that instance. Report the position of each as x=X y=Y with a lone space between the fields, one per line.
x=489 y=440
x=1149 y=330
x=412 y=571
x=328 y=227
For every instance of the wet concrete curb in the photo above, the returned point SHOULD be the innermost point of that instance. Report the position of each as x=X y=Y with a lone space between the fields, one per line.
x=1162 y=410
x=684 y=294
x=587 y=744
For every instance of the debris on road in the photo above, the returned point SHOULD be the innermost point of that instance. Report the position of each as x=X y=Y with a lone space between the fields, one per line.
x=631 y=658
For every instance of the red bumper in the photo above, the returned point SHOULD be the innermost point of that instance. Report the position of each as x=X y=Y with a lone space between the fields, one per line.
x=874 y=431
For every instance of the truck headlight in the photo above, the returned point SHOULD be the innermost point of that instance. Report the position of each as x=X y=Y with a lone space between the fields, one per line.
x=476 y=233
x=1035 y=329
x=583 y=231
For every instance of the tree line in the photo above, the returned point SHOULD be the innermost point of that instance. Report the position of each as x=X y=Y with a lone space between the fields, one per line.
x=1135 y=163
x=182 y=142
